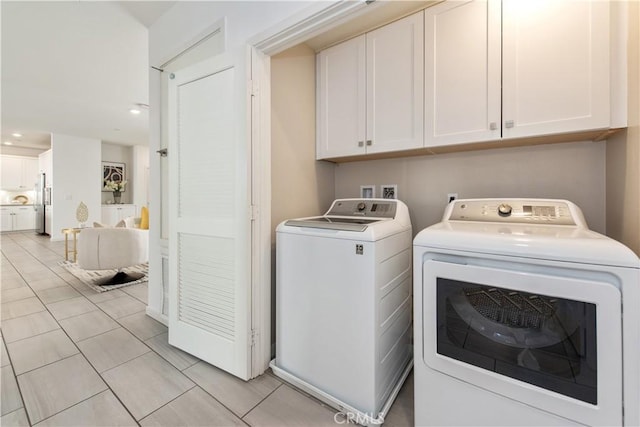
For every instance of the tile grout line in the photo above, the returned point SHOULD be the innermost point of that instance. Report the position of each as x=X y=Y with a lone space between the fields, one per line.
x=79 y=351
x=13 y=372
x=259 y=403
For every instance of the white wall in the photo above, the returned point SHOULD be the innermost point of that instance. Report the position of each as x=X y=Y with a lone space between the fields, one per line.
x=184 y=23
x=140 y=176
x=623 y=153
x=119 y=154
x=573 y=171
x=77 y=176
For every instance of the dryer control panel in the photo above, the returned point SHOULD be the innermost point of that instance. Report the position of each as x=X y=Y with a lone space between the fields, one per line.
x=525 y=211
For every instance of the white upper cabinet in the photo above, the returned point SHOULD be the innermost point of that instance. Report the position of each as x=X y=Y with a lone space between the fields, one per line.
x=462 y=72
x=341 y=87
x=19 y=173
x=370 y=92
x=550 y=57
x=555 y=66
x=395 y=86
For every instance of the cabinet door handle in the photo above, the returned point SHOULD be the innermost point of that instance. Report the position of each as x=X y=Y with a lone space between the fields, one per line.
x=493 y=126
x=369 y=143
x=360 y=143
x=509 y=124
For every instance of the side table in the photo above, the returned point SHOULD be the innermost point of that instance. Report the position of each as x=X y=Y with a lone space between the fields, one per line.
x=74 y=232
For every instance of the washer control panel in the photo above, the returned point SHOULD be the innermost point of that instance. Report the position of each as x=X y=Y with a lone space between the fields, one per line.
x=370 y=208
x=534 y=211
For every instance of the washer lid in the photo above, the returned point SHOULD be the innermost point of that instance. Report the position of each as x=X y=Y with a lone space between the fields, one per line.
x=333 y=223
x=557 y=243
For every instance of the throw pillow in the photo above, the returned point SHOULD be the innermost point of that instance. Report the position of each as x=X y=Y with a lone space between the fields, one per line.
x=144 y=218
x=121 y=224
x=98 y=225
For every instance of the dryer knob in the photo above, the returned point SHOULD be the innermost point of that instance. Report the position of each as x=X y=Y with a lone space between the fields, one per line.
x=504 y=209
x=361 y=206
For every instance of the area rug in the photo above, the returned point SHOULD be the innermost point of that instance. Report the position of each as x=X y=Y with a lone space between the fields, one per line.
x=90 y=277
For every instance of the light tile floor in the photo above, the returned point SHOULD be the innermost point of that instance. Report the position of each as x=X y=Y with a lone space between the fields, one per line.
x=74 y=357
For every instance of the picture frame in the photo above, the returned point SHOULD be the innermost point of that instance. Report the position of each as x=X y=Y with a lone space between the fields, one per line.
x=367 y=191
x=389 y=191
x=113 y=171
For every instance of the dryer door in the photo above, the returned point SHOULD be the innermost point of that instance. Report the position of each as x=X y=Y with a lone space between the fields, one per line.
x=547 y=340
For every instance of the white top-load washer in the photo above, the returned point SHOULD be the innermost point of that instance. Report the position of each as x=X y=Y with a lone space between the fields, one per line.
x=523 y=316
x=343 y=305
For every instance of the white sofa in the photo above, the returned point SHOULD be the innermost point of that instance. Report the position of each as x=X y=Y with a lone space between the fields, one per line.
x=110 y=248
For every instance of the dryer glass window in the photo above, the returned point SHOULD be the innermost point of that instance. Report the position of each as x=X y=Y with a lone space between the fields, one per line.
x=545 y=341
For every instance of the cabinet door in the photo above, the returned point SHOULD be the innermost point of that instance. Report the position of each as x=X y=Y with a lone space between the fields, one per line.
x=11 y=172
x=555 y=66
x=6 y=219
x=30 y=169
x=341 y=99
x=109 y=215
x=127 y=211
x=462 y=72
x=24 y=218
x=395 y=86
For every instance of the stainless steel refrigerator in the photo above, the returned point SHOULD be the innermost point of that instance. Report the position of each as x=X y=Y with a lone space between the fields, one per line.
x=43 y=198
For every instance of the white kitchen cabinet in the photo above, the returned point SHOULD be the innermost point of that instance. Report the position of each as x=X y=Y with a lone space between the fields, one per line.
x=45 y=165
x=370 y=92
x=18 y=173
x=514 y=68
x=17 y=218
x=6 y=218
x=112 y=214
x=24 y=218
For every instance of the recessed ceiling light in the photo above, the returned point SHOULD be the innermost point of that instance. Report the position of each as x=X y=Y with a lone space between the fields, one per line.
x=8 y=143
x=134 y=111
x=17 y=135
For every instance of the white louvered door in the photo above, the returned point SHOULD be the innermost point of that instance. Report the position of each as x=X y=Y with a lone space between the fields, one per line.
x=209 y=222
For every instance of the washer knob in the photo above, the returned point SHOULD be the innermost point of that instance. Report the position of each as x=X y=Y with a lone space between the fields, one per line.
x=361 y=206
x=504 y=209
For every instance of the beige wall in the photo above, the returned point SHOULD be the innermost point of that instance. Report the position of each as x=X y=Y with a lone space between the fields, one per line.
x=300 y=186
x=574 y=171
x=623 y=153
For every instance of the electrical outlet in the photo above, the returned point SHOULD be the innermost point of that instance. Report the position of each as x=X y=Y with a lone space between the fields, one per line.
x=451 y=197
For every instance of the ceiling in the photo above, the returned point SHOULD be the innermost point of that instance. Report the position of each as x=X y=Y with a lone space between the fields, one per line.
x=76 y=68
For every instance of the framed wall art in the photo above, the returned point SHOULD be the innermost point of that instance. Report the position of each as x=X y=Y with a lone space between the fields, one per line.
x=113 y=171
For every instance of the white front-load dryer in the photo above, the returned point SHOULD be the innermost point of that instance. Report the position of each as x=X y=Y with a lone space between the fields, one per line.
x=523 y=316
x=343 y=305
